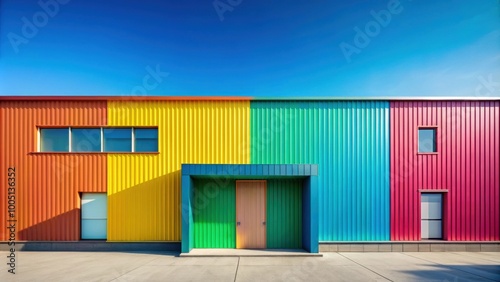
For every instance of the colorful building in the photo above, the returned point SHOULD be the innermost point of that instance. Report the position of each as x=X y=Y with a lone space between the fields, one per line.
x=225 y=172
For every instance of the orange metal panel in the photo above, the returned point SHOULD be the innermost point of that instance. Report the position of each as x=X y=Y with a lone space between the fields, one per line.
x=251 y=214
x=48 y=185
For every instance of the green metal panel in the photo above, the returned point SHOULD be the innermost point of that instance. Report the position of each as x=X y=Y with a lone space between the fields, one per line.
x=284 y=214
x=214 y=209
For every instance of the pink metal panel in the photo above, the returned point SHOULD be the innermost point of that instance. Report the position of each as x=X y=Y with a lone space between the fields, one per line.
x=467 y=165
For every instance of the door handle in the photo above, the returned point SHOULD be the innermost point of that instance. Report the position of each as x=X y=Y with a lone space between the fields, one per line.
x=263 y=223
x=238 y=223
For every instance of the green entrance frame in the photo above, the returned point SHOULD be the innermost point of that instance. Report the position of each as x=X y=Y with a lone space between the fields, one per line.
x=308 y=172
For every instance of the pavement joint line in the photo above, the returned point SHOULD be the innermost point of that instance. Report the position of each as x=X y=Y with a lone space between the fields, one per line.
x=134 y=269
x=451 y=266
x=366 y=267
x=236 y=272
x=476 y=257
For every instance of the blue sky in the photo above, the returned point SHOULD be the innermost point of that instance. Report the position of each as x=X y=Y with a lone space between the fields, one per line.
x=250 y=48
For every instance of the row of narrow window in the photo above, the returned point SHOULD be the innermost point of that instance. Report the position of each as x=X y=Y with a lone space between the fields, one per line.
x=101 y=139
x=132 y=139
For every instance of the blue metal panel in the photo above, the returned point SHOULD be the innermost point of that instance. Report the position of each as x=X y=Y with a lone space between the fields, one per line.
x=306 y=216
x=314 y=212
x=301 y=170
x=254 y=170
x=310 y=194
x=350 y=143
x=187 y=214
x=265 y=170
x=186 y=169
x=307 y=170
x=259 y=170
x=314 y=170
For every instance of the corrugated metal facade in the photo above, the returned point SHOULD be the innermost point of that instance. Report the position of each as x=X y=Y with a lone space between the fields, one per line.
x=284 y=214
x=144 y=189
x=467 y=165
x=348 y=140
x=214 y=213
x=350 y=143
x=48 y=184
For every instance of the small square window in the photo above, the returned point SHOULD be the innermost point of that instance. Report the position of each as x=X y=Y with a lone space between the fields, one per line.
x=54 y=140
x=85 y=139
x=427 y=140
x=146 y=140
x=117 y=140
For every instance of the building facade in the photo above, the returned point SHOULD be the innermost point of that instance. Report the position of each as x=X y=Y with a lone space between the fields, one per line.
x=247 y=173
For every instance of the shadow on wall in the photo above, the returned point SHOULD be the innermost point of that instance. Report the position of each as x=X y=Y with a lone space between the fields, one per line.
x=64 y=227
x=148 y=211
x=452 y=273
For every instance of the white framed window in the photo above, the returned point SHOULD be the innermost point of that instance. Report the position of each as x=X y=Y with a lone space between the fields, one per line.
x=427 y=140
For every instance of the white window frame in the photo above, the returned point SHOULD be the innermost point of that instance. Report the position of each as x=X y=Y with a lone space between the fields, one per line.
x=39 y=141
x=102 y=139
x=133 y=139
x=69 y=139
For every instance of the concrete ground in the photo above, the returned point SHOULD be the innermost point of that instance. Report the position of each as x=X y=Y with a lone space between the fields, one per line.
x=95 y=266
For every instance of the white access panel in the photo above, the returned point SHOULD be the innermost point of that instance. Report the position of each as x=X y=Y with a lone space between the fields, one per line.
x=432 y=229
x=431 y=216
x=94 y=215
x=431 y=206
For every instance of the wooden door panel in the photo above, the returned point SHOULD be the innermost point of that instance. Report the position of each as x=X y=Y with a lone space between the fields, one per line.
x=251 y=214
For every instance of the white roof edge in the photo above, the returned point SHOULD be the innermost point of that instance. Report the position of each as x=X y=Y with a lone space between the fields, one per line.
x=440 y=98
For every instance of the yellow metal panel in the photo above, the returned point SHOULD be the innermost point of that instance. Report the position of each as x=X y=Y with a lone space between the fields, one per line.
x=144 y=189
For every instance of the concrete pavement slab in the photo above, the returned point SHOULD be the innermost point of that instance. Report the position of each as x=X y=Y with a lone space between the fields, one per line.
x=491 y=256
x=181 y=273
x=75 y=266
x=415 y=266
x=203 y=261
x=377 y=259
x=162 y=260
x=276 y=261
x=477 y=266
x=452 y=258
x=423 y=273
x=328 y=258
x=295 y=273
x=114 y=266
